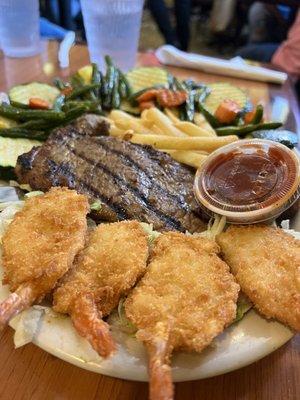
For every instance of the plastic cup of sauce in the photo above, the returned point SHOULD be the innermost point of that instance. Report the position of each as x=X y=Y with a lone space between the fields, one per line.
x=249 y=181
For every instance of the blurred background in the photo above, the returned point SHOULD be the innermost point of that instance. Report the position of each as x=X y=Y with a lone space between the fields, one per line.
x=267 y=31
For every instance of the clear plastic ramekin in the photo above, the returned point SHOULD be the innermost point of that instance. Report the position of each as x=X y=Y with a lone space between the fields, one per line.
x=249 y=181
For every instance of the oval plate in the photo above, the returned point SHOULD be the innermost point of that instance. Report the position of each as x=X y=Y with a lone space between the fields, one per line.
x=241 y=344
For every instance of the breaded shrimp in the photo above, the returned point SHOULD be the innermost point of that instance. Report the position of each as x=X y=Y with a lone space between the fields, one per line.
x=266 y=263
x=185 y=299
x=115 y=257
x=39 y=247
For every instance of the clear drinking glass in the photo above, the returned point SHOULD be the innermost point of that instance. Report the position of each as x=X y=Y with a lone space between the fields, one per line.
x=19 y=27
x=112 y=27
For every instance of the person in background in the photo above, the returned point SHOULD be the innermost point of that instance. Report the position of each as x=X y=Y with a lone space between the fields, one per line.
x=180 y=36
x=268 y=27
x=287 y=55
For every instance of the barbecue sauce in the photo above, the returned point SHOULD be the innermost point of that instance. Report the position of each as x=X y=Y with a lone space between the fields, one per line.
x=255 y=176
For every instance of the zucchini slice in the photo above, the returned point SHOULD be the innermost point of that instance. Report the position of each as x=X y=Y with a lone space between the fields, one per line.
x=22 y=93
x=222 y=91
x=6 y=123
x=127 y=107
x=11 y=149
x=141 y=78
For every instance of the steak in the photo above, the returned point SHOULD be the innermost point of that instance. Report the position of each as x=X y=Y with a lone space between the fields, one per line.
x=132 y=181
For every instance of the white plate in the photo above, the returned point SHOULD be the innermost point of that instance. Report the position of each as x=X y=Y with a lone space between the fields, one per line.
x=241 y=344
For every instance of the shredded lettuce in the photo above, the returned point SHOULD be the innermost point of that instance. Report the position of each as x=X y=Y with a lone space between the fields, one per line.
x=243 y=306
x=119 y=321
x=96 y=206
x=152 y=235
x=33 y=194
x=23 y=186
x=215 y=226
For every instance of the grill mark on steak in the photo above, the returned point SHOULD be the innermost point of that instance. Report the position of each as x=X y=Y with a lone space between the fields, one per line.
x=169 y=220
x=130 y=162
x=64 y=168
x=139 y=168
x=137 y=182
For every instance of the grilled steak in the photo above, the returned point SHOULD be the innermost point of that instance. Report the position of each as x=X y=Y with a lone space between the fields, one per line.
x=130 y=180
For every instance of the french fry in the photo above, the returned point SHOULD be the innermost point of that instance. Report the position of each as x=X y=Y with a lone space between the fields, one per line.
x=200 y=120
x=156 y=130
x=129 y=121
x=193 y=130
x=145 y=120
x=122 y=123
x=117 y=132
x=190 y=158
x=164 y=123
x=172 y=115
x=208 y=144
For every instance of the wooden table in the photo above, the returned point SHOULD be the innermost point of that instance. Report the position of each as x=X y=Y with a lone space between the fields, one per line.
x=30 y=373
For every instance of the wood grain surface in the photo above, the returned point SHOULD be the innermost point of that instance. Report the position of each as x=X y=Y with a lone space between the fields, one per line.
x=30 y=373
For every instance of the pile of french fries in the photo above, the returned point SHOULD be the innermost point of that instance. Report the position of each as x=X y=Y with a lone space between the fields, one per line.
x=188 y=143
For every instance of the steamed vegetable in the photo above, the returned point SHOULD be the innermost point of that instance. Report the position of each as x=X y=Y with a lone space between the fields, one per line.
x=22 y=93
x=243 y=306
x=285 y=137
x=242 y=131
x=255 y=116
x=145 y=77
x=224 y=91
x=227 y=111
x=10 y=149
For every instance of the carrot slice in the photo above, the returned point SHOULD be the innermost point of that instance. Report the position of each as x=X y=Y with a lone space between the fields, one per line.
x=248 y=117
x=67 y=90
x=40 y=104
x=170 y=98
x=144 y=105
x=227 y=111
x=149 y=95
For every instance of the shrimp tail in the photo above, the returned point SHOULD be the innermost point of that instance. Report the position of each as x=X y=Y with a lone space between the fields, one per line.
x=89 y=324
x=16 y=302
x=159 y=350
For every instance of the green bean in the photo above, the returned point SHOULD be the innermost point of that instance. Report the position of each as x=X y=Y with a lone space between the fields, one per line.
x=122 y=89
x=179 y=85
x=19 y=105
x=258 y=116
x=110 y=80
x=81 y=90
x=77 y=81
x=108 y=61
x=190 y=106
x=39 y=124
x=59 y=102
x=208 y=116
x=126 y=83
x=171 y=82
x=74 y=113
x=96 y=78
x=59 y=83
x=244 y=130
x=115 y=98
x=202 y=94
x=26 y=115
x=23 y=133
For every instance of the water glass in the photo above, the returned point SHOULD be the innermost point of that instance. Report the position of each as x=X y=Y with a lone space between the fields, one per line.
x=19 y=27
x=112 y=27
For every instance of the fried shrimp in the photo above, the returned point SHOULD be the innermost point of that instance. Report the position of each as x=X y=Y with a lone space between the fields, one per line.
x=185 y=299
x=39 y=247
x=115 y=257
x=266 y=264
